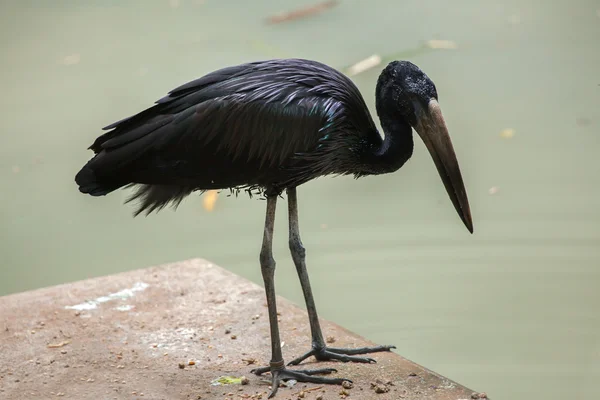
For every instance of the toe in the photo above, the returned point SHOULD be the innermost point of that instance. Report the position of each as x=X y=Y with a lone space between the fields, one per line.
x=324 y=371
x=329 y=355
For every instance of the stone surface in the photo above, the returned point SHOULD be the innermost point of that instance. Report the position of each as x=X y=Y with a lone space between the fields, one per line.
x=167 y=332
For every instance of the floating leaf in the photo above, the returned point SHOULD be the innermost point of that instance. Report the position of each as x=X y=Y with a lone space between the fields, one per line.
x=363 y=65
x=72 y=59
x=401 y=55
x=209 y=199
x=507 y=133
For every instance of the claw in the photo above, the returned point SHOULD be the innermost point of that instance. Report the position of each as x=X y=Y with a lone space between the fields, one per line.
x=322 y=354
x=279 y=375
x=260 y=371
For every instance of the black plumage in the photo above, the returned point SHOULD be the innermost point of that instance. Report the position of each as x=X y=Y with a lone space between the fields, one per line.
x=271 y=126
x=265 y=125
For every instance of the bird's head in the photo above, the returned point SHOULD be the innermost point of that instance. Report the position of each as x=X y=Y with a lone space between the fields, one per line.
x=406 y=94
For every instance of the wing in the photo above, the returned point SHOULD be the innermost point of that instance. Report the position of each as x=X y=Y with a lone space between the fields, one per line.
x=241 y=125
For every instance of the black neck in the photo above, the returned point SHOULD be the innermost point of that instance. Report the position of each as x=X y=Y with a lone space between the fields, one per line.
x=397 y=145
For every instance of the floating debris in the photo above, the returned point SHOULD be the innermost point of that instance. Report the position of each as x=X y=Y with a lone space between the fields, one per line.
x=493 y=190
x=507 y=133
x=72 y=59
x=441 y=44
x=364 y=65
x=302 y=12
x=16 y=169
x=401 y=55
x=209 y=199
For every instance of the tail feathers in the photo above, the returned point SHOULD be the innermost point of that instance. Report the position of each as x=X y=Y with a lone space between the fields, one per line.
x=151 y=197
x=156 y=197
x=89 y=183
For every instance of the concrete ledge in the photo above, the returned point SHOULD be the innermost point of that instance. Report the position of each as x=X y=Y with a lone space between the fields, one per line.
x=127 y=336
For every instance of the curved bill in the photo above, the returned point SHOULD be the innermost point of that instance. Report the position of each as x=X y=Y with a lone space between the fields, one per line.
x=432 y=129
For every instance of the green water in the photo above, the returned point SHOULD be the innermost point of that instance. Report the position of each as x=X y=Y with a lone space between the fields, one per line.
x=511 y=310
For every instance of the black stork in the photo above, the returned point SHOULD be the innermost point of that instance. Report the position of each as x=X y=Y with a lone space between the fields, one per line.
x=267 y=127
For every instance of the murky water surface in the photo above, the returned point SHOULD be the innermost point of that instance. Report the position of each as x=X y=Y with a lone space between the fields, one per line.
x=511 y=310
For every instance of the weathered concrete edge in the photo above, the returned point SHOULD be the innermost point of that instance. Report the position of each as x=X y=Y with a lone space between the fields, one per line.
x=48 y=295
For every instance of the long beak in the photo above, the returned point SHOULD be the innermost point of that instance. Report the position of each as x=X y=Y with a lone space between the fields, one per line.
x=432 y=129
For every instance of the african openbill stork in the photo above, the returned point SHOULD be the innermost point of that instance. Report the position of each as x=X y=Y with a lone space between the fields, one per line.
x=271 y=126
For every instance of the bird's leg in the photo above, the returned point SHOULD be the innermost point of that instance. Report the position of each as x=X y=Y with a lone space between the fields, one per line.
x=319 y=349
x=276 y=366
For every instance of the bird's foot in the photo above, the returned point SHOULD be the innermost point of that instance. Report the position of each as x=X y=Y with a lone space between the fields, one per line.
x=342 y=354
x=281 y=374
